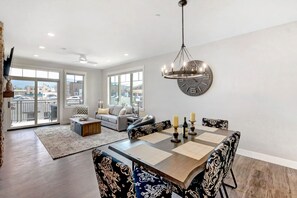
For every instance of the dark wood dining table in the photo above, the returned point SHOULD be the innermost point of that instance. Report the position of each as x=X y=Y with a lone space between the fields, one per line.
x=177 y=168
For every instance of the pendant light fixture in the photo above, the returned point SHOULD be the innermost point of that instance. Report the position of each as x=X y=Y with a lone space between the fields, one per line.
x=183 y=65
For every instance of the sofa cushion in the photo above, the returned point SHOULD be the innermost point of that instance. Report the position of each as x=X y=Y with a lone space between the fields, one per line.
x=98 y=116
x=110 y=118
x=116 y=110
x=110 y=108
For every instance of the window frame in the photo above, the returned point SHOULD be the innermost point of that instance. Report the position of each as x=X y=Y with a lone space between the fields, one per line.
x=84 y=74
x=127 y=71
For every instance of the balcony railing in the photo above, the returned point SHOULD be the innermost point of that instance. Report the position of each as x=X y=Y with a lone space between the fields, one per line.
x=23 y=110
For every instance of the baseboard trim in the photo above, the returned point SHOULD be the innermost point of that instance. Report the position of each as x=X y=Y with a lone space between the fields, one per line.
x=268 y=158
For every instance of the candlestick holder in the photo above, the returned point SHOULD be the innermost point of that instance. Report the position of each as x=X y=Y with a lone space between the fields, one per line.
x=175 y=136
x=192 y=132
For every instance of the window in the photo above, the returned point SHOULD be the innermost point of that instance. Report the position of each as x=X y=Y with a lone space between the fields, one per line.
x=74 y=90
x=126 y=88
x=33 y=73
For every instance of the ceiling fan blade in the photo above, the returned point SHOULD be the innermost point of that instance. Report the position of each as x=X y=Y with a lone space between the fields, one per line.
x=92 y=62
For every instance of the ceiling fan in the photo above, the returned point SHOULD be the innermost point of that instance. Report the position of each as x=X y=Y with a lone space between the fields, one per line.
x=83 y=60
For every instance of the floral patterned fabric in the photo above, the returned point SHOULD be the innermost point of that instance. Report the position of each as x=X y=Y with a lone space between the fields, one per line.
x=148 y=129
x=150 y=185
x=217 y=123
x=232 y=141
x=114 y=177
x=213 y=174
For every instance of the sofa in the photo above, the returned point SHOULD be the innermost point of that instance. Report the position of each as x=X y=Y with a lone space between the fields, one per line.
x=115 y=116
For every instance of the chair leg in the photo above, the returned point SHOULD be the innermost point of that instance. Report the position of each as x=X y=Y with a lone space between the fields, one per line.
x=225 y=190
x=221 y=193
x=234 y=180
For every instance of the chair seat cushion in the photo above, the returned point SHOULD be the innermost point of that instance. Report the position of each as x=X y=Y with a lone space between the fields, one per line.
x=149 y=185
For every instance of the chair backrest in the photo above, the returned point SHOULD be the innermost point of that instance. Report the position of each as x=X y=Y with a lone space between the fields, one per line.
x=148 y=129
x=214 y=171
x=217 y=123
x=114 y=177
x=233 y=141
x=81 y=110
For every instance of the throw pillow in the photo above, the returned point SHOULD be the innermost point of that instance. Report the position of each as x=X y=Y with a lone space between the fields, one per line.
x=103 y=111
x=129 y=109
x=145 y=118
x=122 y=112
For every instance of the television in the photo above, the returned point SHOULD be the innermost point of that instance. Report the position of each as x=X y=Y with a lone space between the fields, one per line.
x=7 y=64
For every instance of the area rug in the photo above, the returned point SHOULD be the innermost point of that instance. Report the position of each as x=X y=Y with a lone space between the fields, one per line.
x=60 y=141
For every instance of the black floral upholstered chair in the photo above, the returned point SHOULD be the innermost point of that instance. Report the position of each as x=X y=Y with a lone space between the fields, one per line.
x=144 y=187
x=233 y=141
x=209 y=183
x=148 y=129
x=217 y=123
x=115 y=179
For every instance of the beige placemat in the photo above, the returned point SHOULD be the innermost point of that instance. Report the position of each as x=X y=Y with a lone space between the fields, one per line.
x=154 y=137
x=193 y=150
x=211 y=137
x=148 y=153
x=171 y=130
x=205 y=128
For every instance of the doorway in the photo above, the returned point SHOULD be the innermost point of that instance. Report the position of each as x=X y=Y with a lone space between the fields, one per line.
x=35 y=102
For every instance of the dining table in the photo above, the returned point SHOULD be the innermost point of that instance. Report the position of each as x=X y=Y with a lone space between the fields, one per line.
x=178 y=163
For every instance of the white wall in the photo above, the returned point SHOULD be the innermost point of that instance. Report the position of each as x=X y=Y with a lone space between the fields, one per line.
x=254 y=88
x=93 y=84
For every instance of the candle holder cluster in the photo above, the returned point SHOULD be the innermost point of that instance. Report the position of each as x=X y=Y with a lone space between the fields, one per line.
x=175 y=136
x=192 y=131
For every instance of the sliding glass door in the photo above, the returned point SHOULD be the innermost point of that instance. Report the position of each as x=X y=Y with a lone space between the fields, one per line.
x=35 y=102
x=47 y=102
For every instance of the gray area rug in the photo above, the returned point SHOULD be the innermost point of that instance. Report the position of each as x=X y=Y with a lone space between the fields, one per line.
x=60 y=141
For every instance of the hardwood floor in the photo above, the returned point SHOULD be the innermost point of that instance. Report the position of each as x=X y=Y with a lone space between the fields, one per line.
x=29 y=171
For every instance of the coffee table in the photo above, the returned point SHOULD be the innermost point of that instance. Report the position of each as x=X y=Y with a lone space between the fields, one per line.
x=90 y=126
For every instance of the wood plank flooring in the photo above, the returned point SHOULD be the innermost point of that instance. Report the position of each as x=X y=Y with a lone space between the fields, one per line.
x=29 y=171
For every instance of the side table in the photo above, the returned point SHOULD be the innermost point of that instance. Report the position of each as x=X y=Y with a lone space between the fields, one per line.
x=131 y=119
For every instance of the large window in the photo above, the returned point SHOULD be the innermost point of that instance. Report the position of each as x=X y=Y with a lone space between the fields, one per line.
x=126 y=88
x=74 y=93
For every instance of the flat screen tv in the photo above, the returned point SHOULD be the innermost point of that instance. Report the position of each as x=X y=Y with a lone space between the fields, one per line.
x=7 y=64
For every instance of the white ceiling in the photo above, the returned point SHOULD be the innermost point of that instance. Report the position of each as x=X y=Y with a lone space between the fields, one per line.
x=105 y=30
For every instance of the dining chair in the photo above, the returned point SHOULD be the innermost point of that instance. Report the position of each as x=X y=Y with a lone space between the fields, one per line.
x=148 y=129
x=217 y=123
x=233 y=141
x=143 y=187
x=115 y=179
x=209 y=183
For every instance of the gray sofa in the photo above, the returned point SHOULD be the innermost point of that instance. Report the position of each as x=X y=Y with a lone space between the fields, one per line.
x=115 y=119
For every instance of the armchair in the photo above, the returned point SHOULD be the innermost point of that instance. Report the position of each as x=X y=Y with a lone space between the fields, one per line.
x=80 y=112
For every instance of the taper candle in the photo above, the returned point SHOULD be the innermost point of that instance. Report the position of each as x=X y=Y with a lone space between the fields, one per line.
x=192 y=117
x=175 y=121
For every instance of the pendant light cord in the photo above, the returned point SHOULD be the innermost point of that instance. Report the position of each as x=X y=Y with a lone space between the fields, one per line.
x=183 y=32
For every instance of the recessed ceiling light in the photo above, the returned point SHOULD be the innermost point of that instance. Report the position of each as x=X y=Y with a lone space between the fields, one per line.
x=51 y=34
x=126 y=54
x=41 y=47
x=35 y=55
